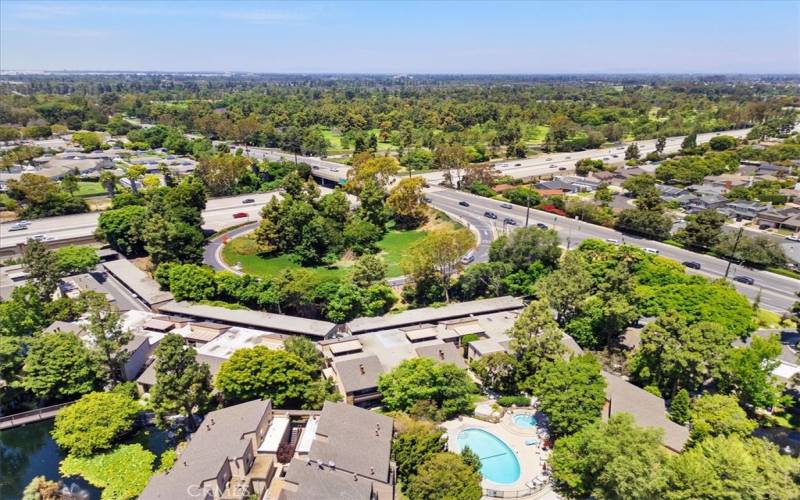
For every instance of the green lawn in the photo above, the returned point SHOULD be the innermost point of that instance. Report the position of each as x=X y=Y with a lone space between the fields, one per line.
x=335 y=141
x=537 y=134
x=242 y=250
x=90 y=189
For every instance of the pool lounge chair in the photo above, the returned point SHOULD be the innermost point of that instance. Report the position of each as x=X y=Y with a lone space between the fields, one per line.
x=531 y=442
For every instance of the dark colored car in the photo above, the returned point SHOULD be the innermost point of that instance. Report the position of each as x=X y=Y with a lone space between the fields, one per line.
x=248 y=200
x=747 y=280
x=240 y=215
x=463 y=203
x=542 y=226
x=562 y=168
x=509 y=221
x=507 y=206
x=490 y=215
x=692 y=264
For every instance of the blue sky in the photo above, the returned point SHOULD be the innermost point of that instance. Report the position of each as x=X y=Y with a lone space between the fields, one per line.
x=402 y=37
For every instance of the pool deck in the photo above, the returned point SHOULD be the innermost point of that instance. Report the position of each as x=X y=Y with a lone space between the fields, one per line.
x=530 y=457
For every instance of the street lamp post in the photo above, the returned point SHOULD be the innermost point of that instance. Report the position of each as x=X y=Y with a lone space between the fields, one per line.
x=528 y=209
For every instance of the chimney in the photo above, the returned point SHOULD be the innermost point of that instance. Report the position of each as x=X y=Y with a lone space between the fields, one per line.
x=361 y=367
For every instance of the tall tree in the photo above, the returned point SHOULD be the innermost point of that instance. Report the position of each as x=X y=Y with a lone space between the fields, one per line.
x=571 y=393
x=42 y=268
x=441 y=250
x=109 y=338
x=610 y=460
x=406 y=203
x=59 y=367
x=535 y=341
x=445 y=476
x=719 y=415
x=703 y=229
x=183 y=385
x=414 y=442
x=568 y=286
x=746 y=372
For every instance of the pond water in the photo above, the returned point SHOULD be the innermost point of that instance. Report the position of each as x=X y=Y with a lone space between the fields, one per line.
x=29 y=451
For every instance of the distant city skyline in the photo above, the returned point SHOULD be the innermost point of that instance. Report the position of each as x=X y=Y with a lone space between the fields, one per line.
x=402 y=37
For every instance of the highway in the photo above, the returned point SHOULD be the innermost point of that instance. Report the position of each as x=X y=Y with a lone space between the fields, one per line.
x=777 y=292
x=217 y=215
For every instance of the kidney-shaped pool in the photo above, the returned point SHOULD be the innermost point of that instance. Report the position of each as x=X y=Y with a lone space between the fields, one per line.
x=498 y=462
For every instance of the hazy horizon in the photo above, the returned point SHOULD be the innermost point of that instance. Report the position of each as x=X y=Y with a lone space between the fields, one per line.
x=436 y=38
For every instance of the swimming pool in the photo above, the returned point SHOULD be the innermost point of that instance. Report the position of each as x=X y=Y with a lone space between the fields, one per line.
x=524 y=421
x=498 y=462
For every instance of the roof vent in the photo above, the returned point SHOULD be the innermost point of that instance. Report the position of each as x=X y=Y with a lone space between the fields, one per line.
x=441 y=354
x=355 y=477
x=361 y=367
x=372 y=470
x=331 y=464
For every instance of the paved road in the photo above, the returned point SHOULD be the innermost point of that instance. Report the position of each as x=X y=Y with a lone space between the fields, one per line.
x=777 y=292
x=217 y=215
x=552 y=163
x=210 y=255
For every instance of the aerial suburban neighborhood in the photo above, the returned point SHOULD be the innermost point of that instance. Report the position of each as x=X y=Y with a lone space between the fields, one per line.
x=291 y=251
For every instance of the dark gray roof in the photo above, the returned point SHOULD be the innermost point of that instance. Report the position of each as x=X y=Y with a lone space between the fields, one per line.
x=278 y=323
x=65 y=326
x=434 y=314
x=138 y=281
x=219 y=436
x=319 y=482
x=359 y=373
x=358 y=441
x=446 y=352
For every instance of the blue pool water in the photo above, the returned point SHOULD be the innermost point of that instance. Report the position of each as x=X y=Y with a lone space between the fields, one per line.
x=524 y=421
x=498 y=463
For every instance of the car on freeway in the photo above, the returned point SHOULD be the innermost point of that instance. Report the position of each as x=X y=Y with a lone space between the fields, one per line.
x=691 y=264
x=468 y=258
x=518 y=164
x=426 y=199
x=569 y=157
x=463 y=203
x=747 y=280
x=509 y=221
x=334 y=169
x=508 y=206
x=606 y=158
x=562 y=168
x=502 y=165
x=548 y=159
x=651 y=250
x=314 y=167
x=615 y=156
x=613 y=241
x=793 y=237
x=18 y=227
x=240 y=215
x=248 y=200
x=542 y=226
x=490 y=215
x=38 y=237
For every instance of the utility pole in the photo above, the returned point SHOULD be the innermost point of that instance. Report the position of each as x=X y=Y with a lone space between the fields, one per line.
x=528 y=210
x=733 y=251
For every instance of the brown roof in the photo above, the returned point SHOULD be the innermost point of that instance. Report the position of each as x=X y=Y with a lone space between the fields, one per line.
x=502 y=188
x=446 y=352
x=549 y=192
x=357 y=374
x=647 y=409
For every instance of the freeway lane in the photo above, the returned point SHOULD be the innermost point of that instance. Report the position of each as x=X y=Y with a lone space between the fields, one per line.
x=217 y=215
x=777 y=292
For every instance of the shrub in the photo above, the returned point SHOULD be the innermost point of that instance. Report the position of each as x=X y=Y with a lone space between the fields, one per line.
x=94 y=422
x=514 y=400
x=122 y=473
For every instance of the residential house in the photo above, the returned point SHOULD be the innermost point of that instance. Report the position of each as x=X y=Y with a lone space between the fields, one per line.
x=349 y=457
x=221 y=459
x=742 y=209
x=787 y=218
x=788 y=360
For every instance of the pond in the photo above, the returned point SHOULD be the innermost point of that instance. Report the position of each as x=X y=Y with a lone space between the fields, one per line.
x=29 y=451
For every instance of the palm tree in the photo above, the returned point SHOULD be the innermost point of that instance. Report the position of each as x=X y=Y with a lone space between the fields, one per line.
x=109 y=181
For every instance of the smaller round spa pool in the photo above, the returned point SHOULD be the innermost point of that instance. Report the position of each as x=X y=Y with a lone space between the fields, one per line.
x=524 y=421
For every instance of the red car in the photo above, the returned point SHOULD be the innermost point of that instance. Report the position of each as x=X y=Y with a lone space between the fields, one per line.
x=240 y=215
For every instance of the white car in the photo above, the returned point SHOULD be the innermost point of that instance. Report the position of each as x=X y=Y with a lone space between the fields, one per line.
x=651 y=250
x=793 y=237
x=613 y=241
